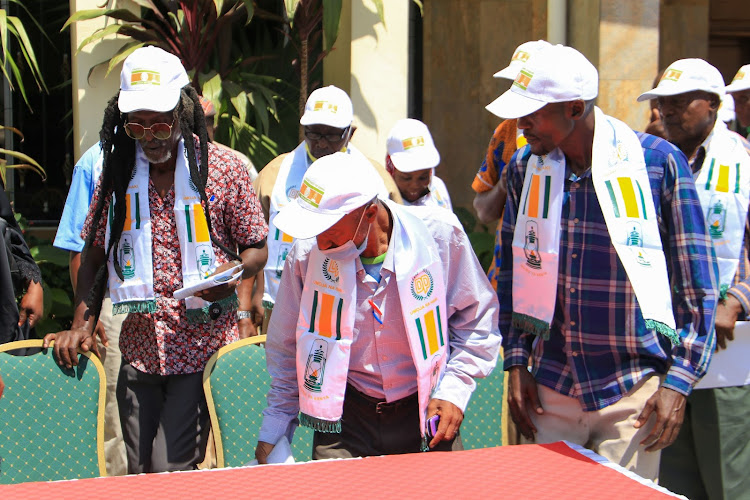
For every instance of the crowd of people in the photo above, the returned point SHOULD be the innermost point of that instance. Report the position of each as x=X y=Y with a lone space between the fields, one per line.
x=621 y=264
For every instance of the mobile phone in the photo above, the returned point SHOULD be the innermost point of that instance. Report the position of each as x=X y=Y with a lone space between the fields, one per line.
x=432 y=426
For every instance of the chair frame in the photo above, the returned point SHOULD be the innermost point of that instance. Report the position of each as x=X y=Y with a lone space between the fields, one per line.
x=94 y=360
x=258 y=339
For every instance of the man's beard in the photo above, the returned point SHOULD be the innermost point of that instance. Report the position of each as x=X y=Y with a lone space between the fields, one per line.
x=160 y=159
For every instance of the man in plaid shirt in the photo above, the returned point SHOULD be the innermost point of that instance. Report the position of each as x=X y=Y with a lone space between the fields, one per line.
x=599 y=376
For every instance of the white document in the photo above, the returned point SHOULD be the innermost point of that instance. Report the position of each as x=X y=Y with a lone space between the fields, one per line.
x=281 y=454
x=227 y=275
x=730 y=367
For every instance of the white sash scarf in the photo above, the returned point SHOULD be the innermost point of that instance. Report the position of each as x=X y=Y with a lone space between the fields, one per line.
x=723 y=185
x=326 y=322
x=285 y=189
x=623 y=189
x=136 y=292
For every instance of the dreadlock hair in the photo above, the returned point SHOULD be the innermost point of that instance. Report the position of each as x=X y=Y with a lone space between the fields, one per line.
x=118 y=168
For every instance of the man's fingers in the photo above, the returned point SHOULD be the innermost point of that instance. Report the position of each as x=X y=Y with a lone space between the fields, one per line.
x=21 y=316
x=102 y=333
x=645 y=414
x=47 y=339
x=720 y=342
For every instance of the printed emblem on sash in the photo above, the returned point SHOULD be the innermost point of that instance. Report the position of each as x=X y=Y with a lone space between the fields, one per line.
x=634 y=240
x=204 y=259
x=316 y=366
x=531 y=245
x=716 y=217
x=422 y=285
x=283 y=252
x=292 y=193
x=330 y=270
x=127 y=256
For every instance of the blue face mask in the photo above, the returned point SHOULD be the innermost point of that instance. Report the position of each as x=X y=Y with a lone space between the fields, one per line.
x=348 y=250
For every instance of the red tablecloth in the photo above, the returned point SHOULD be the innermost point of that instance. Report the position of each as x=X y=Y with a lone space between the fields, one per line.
x=529 y=472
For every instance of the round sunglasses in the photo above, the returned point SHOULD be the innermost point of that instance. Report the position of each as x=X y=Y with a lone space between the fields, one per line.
x=160 y=131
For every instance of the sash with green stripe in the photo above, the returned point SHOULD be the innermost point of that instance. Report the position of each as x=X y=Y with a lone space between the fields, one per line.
x=627 y=198
x=536 y=202
x=430 y=331
x=325 y=318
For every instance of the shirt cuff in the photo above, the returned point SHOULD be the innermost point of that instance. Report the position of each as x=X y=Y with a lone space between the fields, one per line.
x=741 y=292
x=516 y=356
x=680 y=380
x=273 y=428
x=454 y=390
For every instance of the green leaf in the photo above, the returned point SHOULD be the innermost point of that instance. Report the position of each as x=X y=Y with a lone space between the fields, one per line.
x=291 y=8
x=119 y=14
x=119 y=29
x=250 y=7
x=123 y=54
x=381 y=11
x=421 y=7
x=51 y=255
x=331 y=19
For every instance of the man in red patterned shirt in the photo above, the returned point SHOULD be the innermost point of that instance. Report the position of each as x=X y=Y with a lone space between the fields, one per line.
x=182 y=211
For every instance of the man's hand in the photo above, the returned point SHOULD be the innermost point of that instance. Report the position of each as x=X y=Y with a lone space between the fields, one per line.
x=2 y=386
x=67 y=343
x=222 y=290
x=669 y=408
x=450 y=420
x=262 y=451
x=727 y=313
x=522 y=398
x=246 y=328
x=32 y=305
x=102 y=333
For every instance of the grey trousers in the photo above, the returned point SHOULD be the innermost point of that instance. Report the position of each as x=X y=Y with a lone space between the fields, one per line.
x=711 y=457
x=367 y=431
x=164 y=420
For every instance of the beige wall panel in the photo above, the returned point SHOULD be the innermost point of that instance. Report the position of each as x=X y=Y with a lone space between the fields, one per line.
x=683 y=30
x=464 y=44
x=583 y=28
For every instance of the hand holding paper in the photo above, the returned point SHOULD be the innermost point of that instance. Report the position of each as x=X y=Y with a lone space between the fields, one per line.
x=219 y=285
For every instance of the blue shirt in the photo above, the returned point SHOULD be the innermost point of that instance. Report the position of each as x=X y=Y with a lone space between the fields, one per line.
x=599 y=346
x=85 y=177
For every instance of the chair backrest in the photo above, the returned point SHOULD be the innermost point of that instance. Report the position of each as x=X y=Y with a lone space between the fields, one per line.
x=236 y=382
x=51 y=418
x=483 y=426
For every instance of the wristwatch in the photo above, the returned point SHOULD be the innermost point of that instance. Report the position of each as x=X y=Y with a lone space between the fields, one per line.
x=244 y=314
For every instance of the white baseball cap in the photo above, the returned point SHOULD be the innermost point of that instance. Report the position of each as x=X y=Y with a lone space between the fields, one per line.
x=520 y=57
x=151 y=79
x=741 y=80
x=411 y=147
x=556 y=73
x=687 y=75
x=328 y=106
x=333 y=186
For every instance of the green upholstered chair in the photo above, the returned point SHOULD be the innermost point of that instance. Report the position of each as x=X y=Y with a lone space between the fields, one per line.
x=236 y=382
x=51 y=418
x=483 y=424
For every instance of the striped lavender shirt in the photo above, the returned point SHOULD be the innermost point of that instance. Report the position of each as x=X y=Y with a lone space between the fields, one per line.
x=599 y=346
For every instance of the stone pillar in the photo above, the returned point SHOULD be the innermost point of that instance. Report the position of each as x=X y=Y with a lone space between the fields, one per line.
x=91 y=92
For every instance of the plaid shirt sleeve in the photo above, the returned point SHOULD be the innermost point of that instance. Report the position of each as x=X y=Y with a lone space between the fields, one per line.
x=741 y=287
x=691 y=263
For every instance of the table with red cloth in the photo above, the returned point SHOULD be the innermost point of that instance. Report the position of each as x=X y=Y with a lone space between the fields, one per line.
x=556 y=470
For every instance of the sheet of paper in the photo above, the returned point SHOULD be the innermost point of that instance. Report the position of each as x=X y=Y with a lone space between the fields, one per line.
x=281 y=454
x=731 y=366
x=222 y=277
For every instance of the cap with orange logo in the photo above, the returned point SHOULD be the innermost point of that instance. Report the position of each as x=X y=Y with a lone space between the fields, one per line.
x=410 y=146
x=151 y=79
x=687 y=75
x=741 y=80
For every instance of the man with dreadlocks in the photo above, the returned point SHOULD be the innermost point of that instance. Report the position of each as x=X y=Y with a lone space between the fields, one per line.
x=171 y=209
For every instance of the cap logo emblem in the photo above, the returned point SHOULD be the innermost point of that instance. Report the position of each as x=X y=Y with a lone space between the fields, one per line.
x=671 y=74
x=325 y=106
x=523 y=79
x=145 y=77
x=412 y=142
x=520 y=55
x=739 y=76
x=311 y=193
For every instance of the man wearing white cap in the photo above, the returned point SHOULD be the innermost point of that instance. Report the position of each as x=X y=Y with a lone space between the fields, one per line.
x=382 y=321
x=170 y=210
x=328 y=128
x=489 y=183
x=585 y=278
x=710 y=457
x=411 y=158
x=739 y=89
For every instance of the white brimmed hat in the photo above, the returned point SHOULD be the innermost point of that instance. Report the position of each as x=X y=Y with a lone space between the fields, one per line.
x=411 y=147
x=151 y=79
x=328 y=106
x=555 y=74
x=687 y=75
x=741 y=80
x=520 y=57
x=333 y=186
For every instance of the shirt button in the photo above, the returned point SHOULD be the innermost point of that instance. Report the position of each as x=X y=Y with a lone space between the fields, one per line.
x=576 y=221
x=572 y=290
x=385 y=358
x=572 y=323
x=574 y=354
x=575 y=256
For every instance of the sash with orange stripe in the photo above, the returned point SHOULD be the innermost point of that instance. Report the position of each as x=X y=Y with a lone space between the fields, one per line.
x=723 y=185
